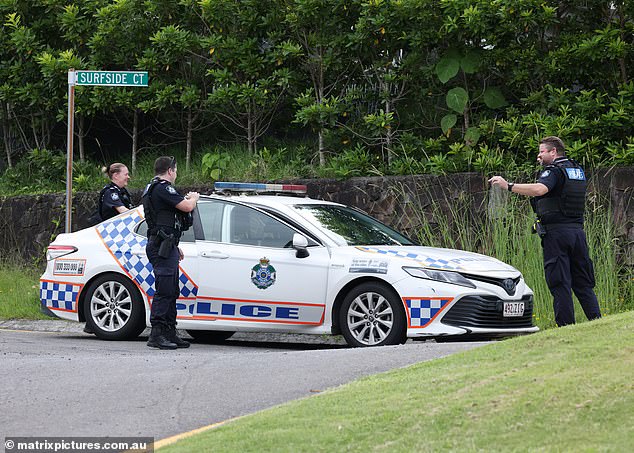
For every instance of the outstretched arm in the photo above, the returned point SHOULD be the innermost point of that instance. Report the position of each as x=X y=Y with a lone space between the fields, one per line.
x=531 y=190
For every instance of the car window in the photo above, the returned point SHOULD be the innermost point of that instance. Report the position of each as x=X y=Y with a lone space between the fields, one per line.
x=188 y=236
x=349 y=226
x=313 y=241
x=250 y=227
x=142 y=229
x=211 y=219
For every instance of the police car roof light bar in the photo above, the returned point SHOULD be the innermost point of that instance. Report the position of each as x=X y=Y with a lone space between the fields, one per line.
x=259 y=187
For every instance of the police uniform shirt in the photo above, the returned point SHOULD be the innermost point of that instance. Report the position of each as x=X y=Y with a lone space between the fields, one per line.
x=165 y=194
x=114 y=197
x=554 y=179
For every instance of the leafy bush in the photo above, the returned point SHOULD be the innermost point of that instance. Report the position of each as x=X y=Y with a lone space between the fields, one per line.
x=214 y=165
x=596 y=127
x=43 y=170
x=353 y=162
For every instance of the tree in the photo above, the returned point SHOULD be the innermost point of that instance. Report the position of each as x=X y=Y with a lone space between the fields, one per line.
x=179 y=91
x=322 y=29
x=444 y=80
x=381 y=41
x=28 y=108
x=76 y=22
x=247 y=53
x=121 y=36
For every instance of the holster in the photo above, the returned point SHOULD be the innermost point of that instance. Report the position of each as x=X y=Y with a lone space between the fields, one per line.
x=165 y=242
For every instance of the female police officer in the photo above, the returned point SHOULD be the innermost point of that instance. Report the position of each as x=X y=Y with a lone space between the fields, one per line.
x=164 y=208
x=114 y=198
x=559 y=202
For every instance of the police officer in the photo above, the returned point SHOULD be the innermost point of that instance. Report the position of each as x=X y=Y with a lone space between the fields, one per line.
x=559 y=203
x=114 y=198
x=165 y=211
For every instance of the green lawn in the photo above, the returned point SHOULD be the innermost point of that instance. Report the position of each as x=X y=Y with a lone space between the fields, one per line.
x=568 y=389
x=19 y=293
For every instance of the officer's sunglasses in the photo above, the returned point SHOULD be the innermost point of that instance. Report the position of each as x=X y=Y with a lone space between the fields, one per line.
x=172 y=163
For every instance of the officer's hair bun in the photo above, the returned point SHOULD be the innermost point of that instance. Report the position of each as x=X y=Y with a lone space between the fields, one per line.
x=112 y=169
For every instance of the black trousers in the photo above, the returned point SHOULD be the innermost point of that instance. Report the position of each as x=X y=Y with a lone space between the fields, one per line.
x=165 y=284
x=568 y=267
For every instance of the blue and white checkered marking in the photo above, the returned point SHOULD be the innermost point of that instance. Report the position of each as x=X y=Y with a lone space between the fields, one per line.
x=59 y=295
x=128 y=248
x=422 y=311
x=426 y=261
x=187 y=287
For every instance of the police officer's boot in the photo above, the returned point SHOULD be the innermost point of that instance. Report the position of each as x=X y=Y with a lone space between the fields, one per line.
x=174 y=338
x=158 y=338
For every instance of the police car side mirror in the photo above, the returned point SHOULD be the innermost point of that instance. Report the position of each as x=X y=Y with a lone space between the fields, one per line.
x=300 y=243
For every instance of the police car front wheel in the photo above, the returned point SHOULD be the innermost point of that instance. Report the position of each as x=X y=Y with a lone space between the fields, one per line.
x=371 y=315
x=113 y=308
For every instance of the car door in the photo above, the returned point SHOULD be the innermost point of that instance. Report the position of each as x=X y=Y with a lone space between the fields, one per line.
x=249 y=274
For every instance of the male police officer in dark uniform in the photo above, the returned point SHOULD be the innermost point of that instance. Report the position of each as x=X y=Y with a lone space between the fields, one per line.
x=114 y=198
x=164 y=208
x=559 y=202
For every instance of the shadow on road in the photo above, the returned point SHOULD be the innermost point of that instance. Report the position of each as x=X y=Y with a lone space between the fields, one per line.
x=240 y=340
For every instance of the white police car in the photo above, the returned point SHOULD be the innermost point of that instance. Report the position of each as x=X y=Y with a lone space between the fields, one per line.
x=285 y=264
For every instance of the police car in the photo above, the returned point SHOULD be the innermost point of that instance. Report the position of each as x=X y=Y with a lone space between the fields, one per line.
x=285 y=263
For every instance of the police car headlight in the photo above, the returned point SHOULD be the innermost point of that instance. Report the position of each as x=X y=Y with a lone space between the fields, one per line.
x=439 y=276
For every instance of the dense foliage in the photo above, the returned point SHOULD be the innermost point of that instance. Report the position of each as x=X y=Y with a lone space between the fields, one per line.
x=401 y=86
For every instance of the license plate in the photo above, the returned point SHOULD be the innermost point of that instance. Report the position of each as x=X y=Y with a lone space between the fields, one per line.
x=513 y=309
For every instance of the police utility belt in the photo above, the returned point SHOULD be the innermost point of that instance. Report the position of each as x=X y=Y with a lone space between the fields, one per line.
x=541 y=230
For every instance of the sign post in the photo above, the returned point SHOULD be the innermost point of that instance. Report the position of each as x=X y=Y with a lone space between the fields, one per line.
x=69 y=148
x=91 y=78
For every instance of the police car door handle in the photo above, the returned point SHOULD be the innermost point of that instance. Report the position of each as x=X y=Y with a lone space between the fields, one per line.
x=214 y=254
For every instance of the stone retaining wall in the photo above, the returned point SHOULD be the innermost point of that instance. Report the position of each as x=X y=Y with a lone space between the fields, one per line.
x=28 y=223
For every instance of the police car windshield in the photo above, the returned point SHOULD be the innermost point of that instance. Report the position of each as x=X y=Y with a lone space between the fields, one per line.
x=348 y=226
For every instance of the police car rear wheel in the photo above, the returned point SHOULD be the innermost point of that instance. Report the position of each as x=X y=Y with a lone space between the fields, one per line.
x=209 y=336
x=114 y=309
x=371 y=315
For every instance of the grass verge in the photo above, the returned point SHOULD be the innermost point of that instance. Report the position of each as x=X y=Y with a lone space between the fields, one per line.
x=567 y=389
x=19 y=293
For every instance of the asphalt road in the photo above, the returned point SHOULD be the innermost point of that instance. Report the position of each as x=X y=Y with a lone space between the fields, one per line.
x=60 y=382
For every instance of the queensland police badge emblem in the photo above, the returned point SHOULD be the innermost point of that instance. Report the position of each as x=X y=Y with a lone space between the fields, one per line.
x=263 y=274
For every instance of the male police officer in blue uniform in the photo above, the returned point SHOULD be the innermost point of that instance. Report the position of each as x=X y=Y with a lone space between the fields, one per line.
x=164 y=210
x=559 y=202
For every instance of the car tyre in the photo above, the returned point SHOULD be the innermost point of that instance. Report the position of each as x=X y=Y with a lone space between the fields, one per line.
x=210 y=336
x=113 y=308
x=372 y=315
